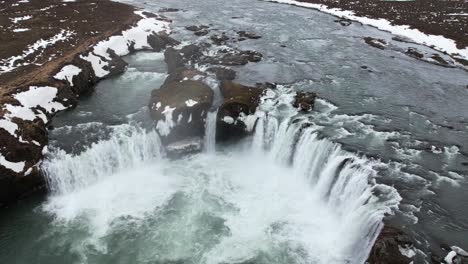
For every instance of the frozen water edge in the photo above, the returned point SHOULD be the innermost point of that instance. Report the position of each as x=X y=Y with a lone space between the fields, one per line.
x=439 y=43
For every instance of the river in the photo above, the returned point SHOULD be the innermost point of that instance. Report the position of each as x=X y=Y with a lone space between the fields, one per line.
x=388 y=139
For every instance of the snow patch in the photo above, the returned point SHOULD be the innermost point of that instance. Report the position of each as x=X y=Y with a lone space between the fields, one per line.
x=31 y=100
x=191 y=102
x=136 y=37
x=9 y=64
x=14 y=166
x=67 y=73
x=164 y=126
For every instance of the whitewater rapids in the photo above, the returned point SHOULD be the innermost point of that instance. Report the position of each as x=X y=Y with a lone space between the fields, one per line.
x=286 y=195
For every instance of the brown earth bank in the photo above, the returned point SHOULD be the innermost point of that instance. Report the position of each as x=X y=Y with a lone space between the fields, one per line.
x=448 y=18
x=44 y=36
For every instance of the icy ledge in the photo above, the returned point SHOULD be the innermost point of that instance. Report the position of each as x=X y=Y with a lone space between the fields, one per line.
x=439 y=43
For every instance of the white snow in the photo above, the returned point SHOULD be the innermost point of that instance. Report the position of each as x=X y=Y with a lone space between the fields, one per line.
x=67 y=73
x=30 y=100
x=12 y=63
x=21 y=30
x=437 y=42
x=18 y=19
x=228 y=119
x=9 y=126
x=14 y=166
x=191 y=102
x=249 y=121
x=164 y=126
x=450 y=256
x=97 y=64
x=406 y=251
x=459 y=251
x=120 y=44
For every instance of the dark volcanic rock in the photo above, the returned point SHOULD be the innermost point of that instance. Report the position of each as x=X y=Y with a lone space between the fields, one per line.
x=414 y=53
x=159 y=42
x=116 y=65
x=344 y=22
x=201 y=33
x=386 y=249
x=181 y=74
x=168 y=10
x=239 y=102
x=439 y=59
x=219 y=39
x=233 y=58
x=304 y=101
x=196 y=28
x=223 y=74
x=376 y=43
x=191 y=52
x=180 y=108
x=248 y=35
x=173 y=59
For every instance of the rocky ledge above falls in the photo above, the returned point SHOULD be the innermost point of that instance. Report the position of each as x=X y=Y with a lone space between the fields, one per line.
x=198 y=84
x=43 y=72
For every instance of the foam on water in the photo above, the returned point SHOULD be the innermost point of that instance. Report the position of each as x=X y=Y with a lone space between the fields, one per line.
x=285 y=196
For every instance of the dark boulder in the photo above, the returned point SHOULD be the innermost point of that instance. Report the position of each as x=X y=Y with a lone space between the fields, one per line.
x=376 y=43
x=386 y=249
x=236 y=58
x=197 y=28
x=179 y=109
x=191 y=52
x=180 y=74
x=159 y=42
x=173 y=59
x=439 y=59
x=344 y=22
x=219 y=39
x=413 y=52
x=235 y=118
x=304 y=101
x=223 y=74
x=116 y=65
x=248 y=35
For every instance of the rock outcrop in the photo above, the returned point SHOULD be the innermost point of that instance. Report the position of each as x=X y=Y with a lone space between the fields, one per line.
x=235 y=118
x=392 y=247
x=179 y=109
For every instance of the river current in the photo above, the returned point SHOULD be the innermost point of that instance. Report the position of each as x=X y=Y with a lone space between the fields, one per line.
x=388 y=139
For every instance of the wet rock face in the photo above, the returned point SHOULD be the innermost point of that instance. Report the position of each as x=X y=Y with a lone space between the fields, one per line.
x=414 y=53
x=159 y=42
x=223 y=74
x=219 y=39
x=304 y=101
x=240 y=101
x=390 y=247
x=248 y=35
x=376 y=43
x=235 y=58
x=179 y=109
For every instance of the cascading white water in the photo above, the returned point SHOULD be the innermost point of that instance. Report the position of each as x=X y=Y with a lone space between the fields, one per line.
x=128 y=147
x=340 y=180
x=289 y=197
x=210 y=132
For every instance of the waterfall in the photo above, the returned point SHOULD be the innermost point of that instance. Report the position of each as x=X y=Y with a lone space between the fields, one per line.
x=341 y=180
x=210 y=131
x=289 y=196
x=128 y=147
